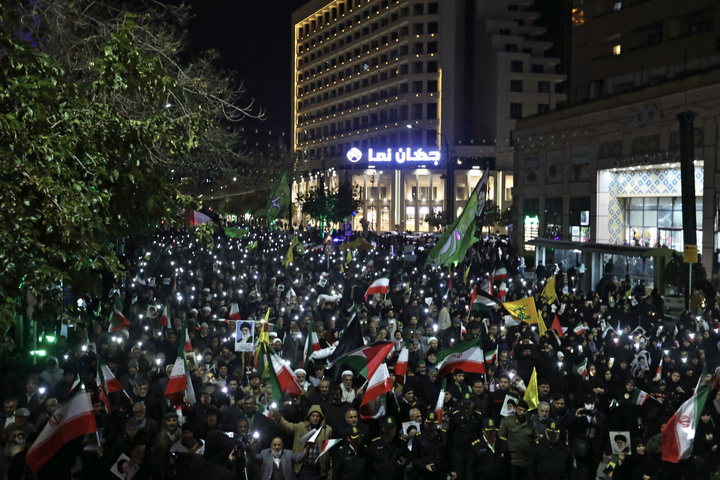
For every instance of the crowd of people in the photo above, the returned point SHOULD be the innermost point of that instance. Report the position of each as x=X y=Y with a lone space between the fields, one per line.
x=613 y=341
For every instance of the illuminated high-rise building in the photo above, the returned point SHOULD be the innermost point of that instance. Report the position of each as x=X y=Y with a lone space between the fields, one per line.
x=386 y=93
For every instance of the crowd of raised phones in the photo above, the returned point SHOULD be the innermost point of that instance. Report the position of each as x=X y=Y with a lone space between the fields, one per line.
x=626 y=337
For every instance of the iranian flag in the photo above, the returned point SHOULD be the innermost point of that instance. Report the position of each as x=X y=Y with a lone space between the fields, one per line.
x=580 y=329
x=440 y=401
x=678 y=434
x=581 y=368
x=381 y=285
x=312 y=344
x=401 y=366
x=467 y=356
x=73 y=419
x=179 y=384
x=326 y=446
x=165 y=317
x=106 y=382
x=490 y=355
x=366 y=359
x=234 y=312
x=638 y=397
x=658 y=374
x=117 y=321
x=281 y=378
x=500 y=273
x=481 y=300
x=502 y=293
x=378 y=385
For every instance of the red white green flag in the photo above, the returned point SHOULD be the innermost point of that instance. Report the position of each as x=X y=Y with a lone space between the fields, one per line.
x=440 y=401
x=326 y=446
x=581 y=368
x=678 y=435
x=281 y=378
x=179 y=384
x=638 y=397
x=117 y=321
x=490 y=355
x=312 y=344
x=165 y=317
x=401 y=366
x=381 y=285
x=379 y=384
x=366 y=359
x=658 y=374
x=467 y=356
x=74 y=418
x=580 y=329
x=106 y=381
x=234 y=312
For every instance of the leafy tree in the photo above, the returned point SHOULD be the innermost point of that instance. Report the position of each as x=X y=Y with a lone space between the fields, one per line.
x=437 y=220
x=99 y=121
x=330 y=207
x=495 y=217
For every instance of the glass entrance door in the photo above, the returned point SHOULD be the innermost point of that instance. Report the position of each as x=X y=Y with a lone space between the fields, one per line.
x=672 y=239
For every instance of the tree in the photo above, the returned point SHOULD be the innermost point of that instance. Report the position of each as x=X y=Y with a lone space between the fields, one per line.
x=331 y=207
x=99 y=121
x=494 y=217
x=436 y=220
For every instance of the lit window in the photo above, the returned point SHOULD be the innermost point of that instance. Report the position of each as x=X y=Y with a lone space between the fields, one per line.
x=617 y=49
x=618 y=6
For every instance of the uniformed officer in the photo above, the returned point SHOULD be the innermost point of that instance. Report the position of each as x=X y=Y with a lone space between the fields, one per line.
x=550 y=458
x=429 y=451
x=489 y=455
x=349 y=460
x=388 y=453
x=462 y=430
x=519 y=434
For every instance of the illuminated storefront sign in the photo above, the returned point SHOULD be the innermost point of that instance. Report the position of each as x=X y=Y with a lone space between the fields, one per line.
x=400 y=156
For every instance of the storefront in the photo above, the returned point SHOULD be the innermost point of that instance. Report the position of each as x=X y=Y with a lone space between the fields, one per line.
x=399 y=189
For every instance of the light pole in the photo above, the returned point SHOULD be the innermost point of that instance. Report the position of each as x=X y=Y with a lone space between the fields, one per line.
x=449 y=174
x=372 y=204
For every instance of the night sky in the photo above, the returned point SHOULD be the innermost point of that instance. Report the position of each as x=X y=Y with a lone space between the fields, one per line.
x=253 y=38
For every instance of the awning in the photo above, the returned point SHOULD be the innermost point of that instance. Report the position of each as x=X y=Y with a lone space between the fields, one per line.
x=627 y=250
x=551 y=243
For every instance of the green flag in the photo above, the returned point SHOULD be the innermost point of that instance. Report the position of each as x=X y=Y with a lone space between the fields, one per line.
x=236 y=232
x=279 y=202
x=460 y=236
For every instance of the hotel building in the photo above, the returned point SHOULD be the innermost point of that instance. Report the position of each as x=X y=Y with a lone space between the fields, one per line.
x=394 y=95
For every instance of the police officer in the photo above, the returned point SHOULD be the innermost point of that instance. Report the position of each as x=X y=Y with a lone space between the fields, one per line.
x=489 y=455
x=550 y=458
x=388 y=453
x=349 y=460
x=462 y=430
x=429 y=451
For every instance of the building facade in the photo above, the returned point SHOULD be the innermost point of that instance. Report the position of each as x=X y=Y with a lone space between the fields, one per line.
x=396 y=96
x=608 y=173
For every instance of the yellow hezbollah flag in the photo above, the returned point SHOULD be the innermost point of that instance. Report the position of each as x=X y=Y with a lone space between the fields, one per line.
x=467 y=271
x=289 y=255
x=349 y=258
x=523 y=309
x=531 y=394
x=549 y=291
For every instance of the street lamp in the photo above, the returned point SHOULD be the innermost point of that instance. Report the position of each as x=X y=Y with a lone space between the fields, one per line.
x=449 y=176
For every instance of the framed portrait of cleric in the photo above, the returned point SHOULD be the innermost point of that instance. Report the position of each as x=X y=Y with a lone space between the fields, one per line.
x=123 y=468
x=410 y=428
x=620 y=442
x=244 y=336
